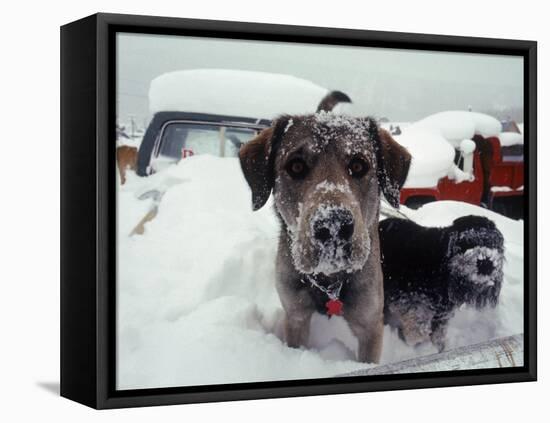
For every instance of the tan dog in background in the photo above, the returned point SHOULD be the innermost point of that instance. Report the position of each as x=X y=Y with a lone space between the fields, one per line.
x=126 y=158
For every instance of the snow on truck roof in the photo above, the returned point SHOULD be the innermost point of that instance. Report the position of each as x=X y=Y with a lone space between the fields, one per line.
x=456 y=126
x=234 y=92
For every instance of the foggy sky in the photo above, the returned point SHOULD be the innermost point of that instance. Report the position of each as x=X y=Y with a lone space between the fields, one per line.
x=402 y=85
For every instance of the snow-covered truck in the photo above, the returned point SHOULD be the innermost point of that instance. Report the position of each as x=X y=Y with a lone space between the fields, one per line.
x=464 y=156
x=215 y=111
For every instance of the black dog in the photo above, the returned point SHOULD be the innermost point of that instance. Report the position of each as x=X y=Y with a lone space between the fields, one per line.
x=431 y=272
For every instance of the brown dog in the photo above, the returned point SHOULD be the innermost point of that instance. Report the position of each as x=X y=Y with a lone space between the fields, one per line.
x=326 y=172
x=126 y=158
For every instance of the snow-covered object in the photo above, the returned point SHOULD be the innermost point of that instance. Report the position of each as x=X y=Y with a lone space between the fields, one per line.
x=234 y=93
x=345 y=109
x=130 y=142
x=505 y=189
x=503 y=352
x=432 y=142
x=510 y=138
x=458 y=175
x=520 y=126
x=456 y=126
x=432 y=156
x=196 y=293
x=467 y=146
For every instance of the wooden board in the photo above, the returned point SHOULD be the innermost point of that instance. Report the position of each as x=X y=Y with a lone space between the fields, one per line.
x=502 y=352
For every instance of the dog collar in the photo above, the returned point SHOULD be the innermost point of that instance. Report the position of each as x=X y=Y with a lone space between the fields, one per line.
x=334 y=306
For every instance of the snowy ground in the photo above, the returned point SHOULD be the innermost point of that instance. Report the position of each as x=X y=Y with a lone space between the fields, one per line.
x=196 y=294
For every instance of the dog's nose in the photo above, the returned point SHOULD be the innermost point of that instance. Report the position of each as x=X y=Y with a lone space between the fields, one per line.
x=333 y=225
x=485 y=266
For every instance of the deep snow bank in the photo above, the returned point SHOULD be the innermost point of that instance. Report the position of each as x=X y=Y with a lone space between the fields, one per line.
x=196 y=293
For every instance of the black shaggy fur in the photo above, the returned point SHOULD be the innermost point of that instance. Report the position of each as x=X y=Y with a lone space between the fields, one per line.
x=430 y=272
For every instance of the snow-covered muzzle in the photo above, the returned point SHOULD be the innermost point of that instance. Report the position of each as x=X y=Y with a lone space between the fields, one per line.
x=482 y=266
x=328 y=232
x=476 y=259
x=327 y=240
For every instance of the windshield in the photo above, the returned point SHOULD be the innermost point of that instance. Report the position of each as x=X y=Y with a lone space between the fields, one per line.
x=180 y=140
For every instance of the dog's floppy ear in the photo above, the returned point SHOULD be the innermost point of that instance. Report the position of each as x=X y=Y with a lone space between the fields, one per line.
x=258 y=160
x=393 y=166
x=257 y=167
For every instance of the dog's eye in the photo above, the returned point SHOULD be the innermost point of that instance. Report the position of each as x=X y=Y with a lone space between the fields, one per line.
x=357 y=167
x=297 y=168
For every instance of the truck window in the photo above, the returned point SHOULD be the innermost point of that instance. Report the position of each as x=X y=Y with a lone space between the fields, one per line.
x=180 y=140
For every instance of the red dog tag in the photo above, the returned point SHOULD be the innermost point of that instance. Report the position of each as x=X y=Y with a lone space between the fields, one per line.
x=334 y=307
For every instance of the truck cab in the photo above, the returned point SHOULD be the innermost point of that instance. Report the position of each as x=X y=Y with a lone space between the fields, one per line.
x=488 y=174
x=173 y=136
x=215 y=111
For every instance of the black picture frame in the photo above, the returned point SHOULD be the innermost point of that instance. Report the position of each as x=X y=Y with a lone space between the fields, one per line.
x=88 y=237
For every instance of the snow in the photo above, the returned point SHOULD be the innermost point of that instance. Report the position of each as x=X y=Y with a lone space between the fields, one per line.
x=196 y=298
x=520 y=126
x=466 y=263
x=130 y=142
x=234 y=93
x=289 y=125
x=457 y=175
x=510 y=138
x=456 y=126
x=327 y=186
x=505 y=189
x=333 y=257
x=467 y=146
x=432 y=156
x=326 y=127
x=347 y=109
